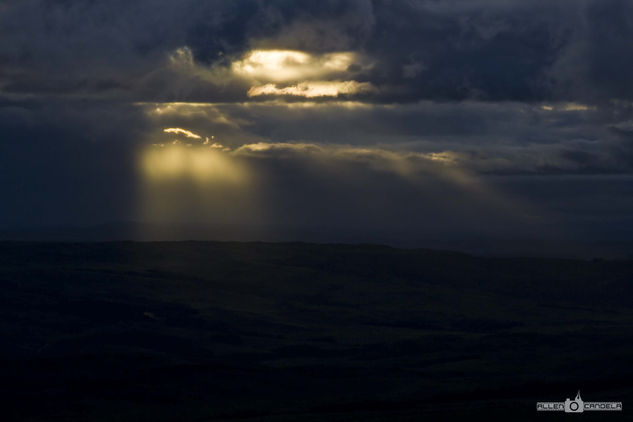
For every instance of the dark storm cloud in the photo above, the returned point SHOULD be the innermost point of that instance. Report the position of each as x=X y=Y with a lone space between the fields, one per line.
x=594 y=63
x=121 y=49
x=498 y=90
x=67 y=162
x=330 y=25
x=489 y=50
x=485 y=137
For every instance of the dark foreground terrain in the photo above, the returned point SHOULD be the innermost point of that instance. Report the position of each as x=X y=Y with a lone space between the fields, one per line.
x=205 y=331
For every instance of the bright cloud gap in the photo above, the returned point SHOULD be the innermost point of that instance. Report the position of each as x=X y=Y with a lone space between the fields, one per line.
x=313 y=89
x=301 y=74
x=291 y=66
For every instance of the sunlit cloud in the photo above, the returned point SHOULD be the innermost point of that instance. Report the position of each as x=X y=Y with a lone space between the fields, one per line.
x=302 y=74
x=273 y=73
x=566 y=107
x=403 y=163
x=183 y=112
x=313 y=89
x=212 y=162
x=444 y=156
x=184 y=132
x=278 y=147
x=195 y=109
x=291 y=66
x=416 y=168
x=510 y=144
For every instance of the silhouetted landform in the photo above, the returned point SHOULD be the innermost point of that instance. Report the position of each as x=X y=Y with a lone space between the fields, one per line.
x=556 y=246
x=211 y=331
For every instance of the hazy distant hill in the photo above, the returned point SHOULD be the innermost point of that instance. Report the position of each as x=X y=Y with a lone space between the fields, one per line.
x=473 y=242
x=201 y=331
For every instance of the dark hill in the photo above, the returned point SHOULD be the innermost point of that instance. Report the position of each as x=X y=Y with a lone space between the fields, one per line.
x=201 y=331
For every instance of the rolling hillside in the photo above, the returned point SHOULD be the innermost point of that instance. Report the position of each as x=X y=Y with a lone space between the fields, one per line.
x=205 y=331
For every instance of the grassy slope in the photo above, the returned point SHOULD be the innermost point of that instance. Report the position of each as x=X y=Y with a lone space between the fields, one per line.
x=253 y=331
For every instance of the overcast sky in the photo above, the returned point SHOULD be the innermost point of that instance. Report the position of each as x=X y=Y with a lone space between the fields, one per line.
x=409 y=118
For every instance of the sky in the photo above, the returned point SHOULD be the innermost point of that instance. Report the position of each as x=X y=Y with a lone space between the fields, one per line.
x=356 y=119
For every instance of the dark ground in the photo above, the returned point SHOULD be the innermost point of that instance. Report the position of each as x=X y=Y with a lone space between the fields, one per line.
x=206 y=331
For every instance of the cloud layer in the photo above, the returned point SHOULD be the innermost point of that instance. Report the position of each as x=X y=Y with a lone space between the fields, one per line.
x=455 y=116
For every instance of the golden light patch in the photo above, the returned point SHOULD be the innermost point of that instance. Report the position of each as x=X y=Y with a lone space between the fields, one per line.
x=313 y=89
x=444 y=156
x=291 y=66
x=575 y=107
x=566 y=107
x=201 y=164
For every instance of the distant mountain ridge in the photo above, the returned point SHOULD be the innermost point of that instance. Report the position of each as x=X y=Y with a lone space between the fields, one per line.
x=468 y=242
